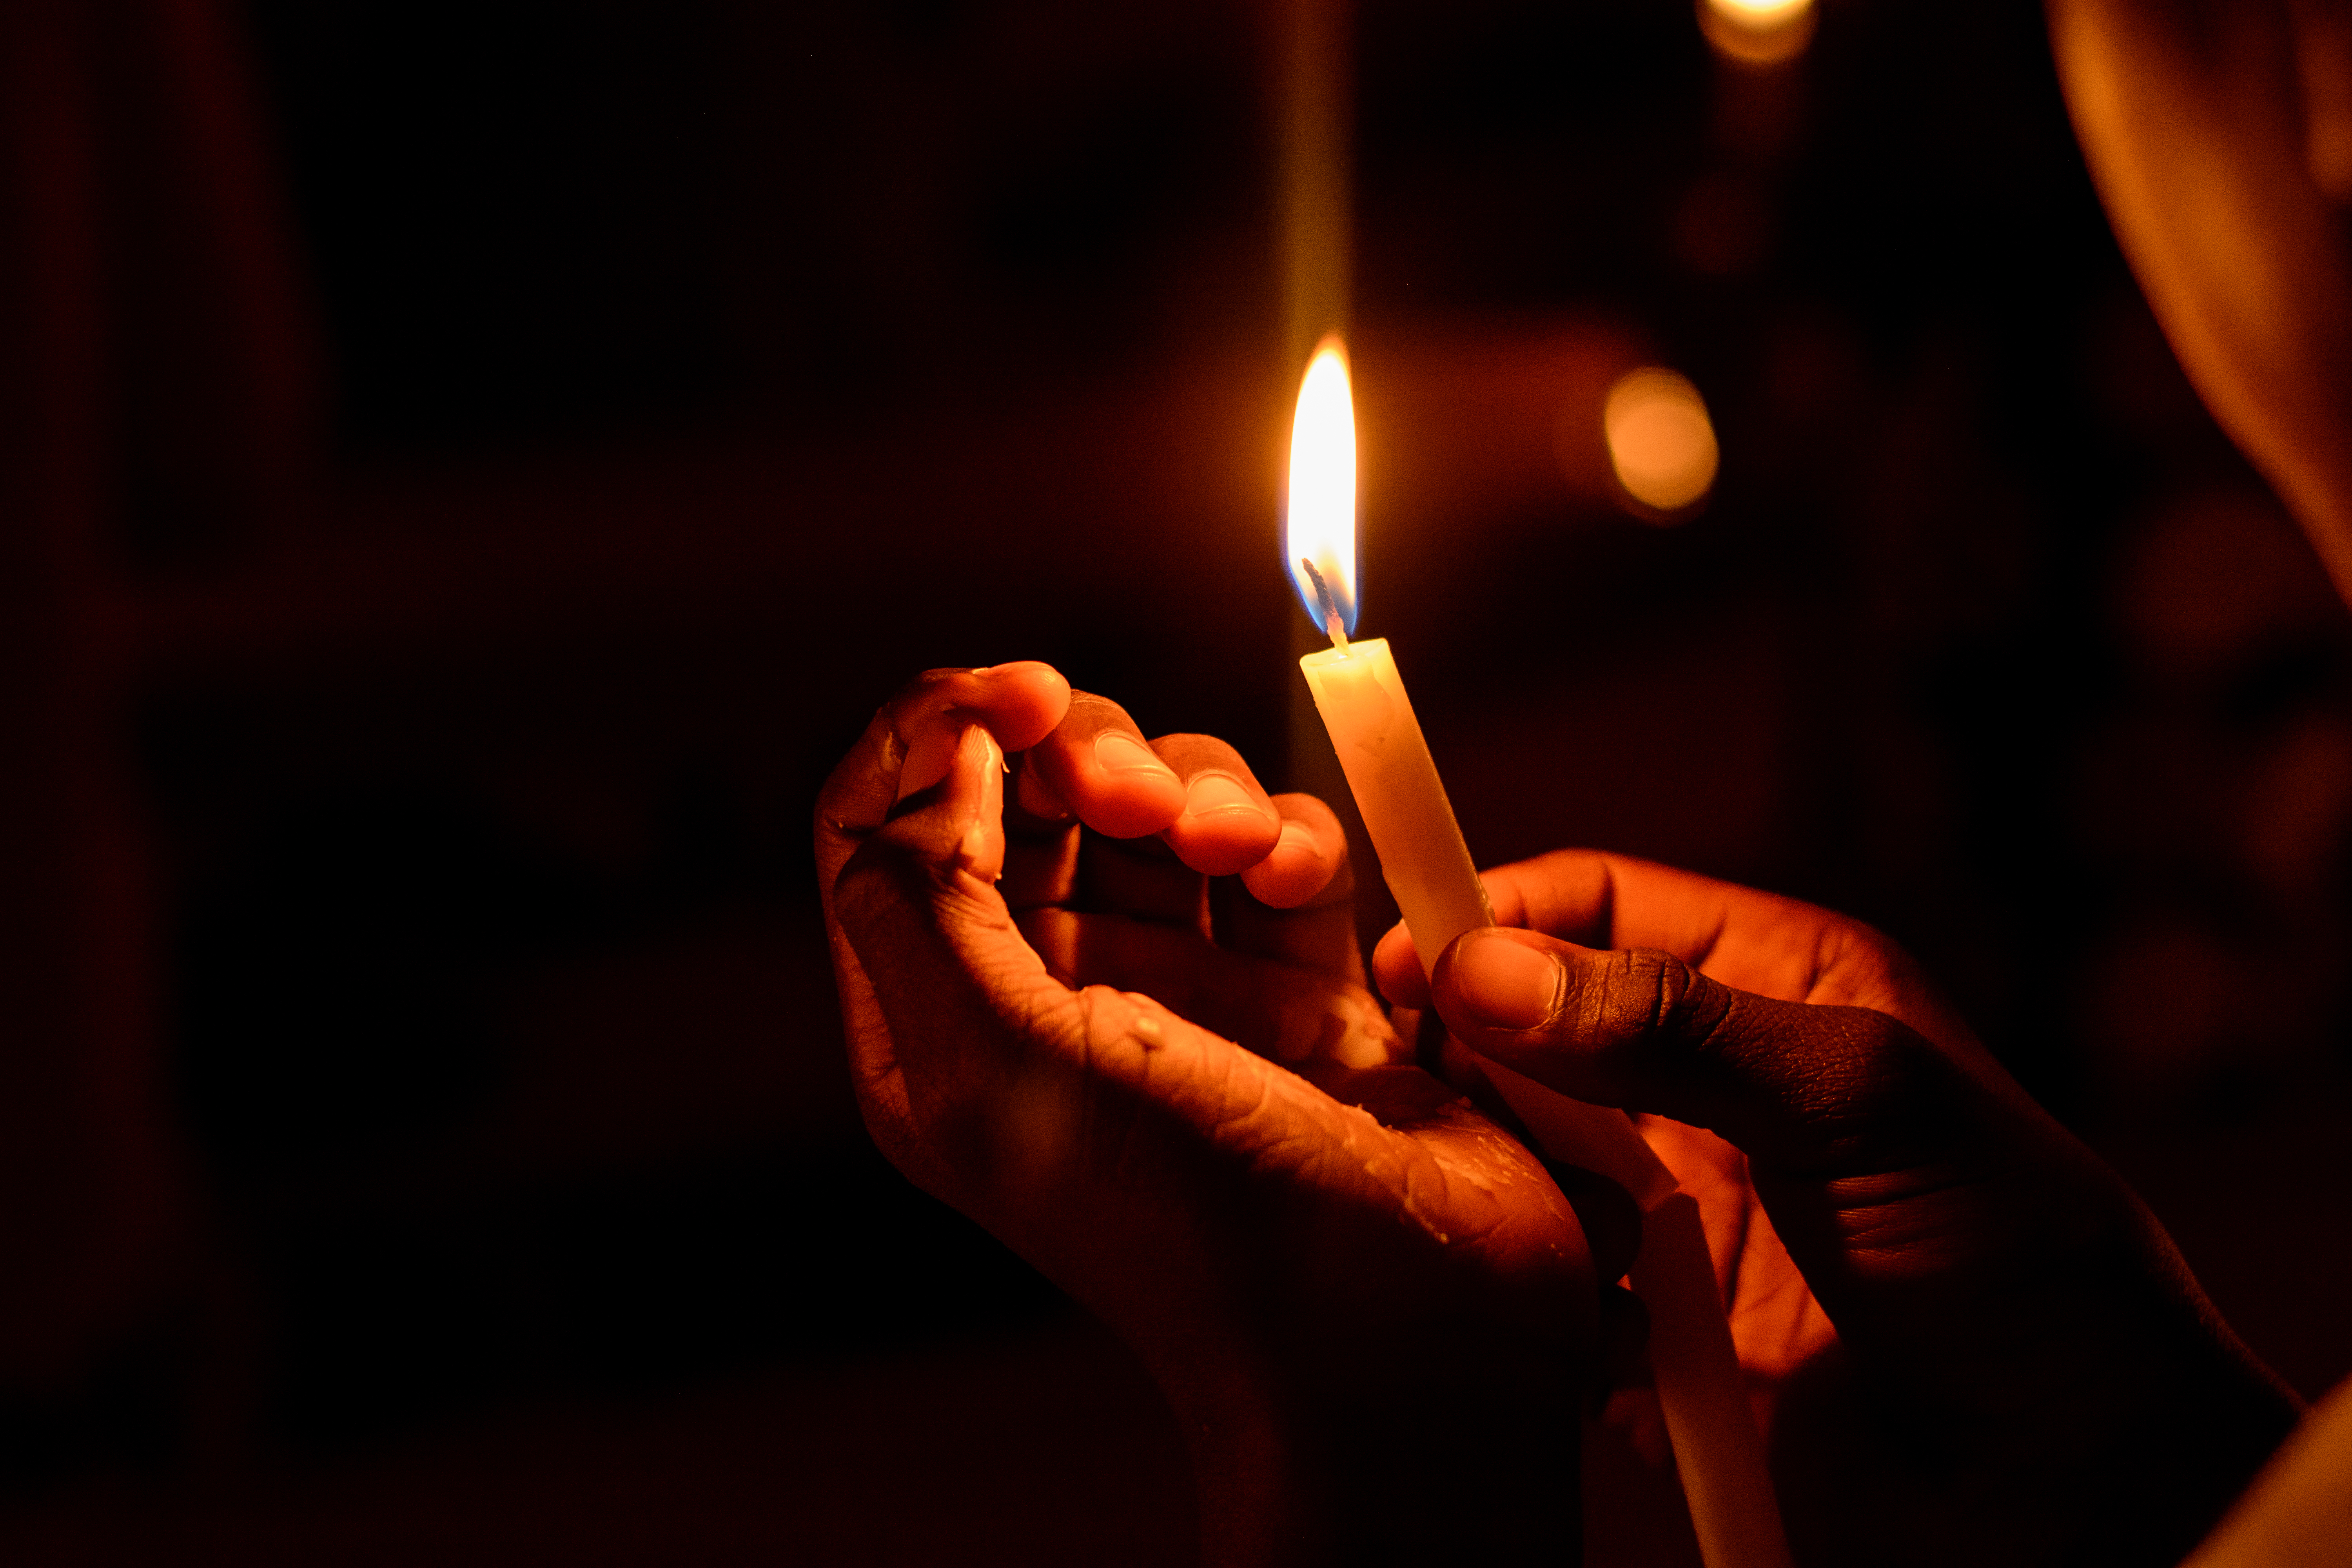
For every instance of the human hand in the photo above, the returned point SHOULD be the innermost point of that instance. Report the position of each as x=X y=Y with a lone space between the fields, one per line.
x=1070 y=1014
x=2028 y=1372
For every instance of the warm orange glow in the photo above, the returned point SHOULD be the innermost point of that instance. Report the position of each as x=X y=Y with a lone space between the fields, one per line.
x=1660 y=440
x=1320 y=524
x=1757 y=32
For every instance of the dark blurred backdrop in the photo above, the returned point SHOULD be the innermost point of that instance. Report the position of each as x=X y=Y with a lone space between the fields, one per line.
x=465 y=471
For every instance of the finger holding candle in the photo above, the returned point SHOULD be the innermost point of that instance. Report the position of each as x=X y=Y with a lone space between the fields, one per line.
x=1568 y=894
x=1920 y=1192
x=1758 y=941
x=1788 y=1083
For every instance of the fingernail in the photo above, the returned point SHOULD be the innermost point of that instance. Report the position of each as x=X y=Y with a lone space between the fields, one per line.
x=1211 y=795
x=1295 y=836
x=1504 y=985
x=1118 y=753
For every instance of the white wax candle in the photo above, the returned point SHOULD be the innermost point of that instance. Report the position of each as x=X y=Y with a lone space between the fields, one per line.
x=1429 y=869
x=1398 y=790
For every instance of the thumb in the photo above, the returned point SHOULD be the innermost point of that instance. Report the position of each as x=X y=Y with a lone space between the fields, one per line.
x=1807 y=1089
x=918 y=906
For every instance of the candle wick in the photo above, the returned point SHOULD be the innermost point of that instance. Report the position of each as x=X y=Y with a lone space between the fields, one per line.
x=1331 y=622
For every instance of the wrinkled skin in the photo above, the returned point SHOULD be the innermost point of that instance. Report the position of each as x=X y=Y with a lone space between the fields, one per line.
x=1328 y=1260
x=1337 y=1263
x=1359 y=1295
x=2026 y=1372
x=2022 y=1370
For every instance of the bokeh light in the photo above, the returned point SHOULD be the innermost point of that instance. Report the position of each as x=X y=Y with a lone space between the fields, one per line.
x=1660 y=442
x=1757 y=32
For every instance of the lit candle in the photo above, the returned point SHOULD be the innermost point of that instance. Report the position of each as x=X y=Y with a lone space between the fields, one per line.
x=1427 y=866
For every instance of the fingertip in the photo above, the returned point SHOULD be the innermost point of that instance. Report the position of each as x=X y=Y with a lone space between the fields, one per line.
x=1309 y=851
x=1228 y=823
x=1498 y=981
x=976 y=799
x=957 y=821
x=1396 y=969
x=1226 y=827
x=1024 y=701
x=1504 y=980
x=1019 y=703
x=1293 y=871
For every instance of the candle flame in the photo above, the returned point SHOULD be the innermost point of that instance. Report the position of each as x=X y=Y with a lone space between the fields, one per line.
x=1321 y=521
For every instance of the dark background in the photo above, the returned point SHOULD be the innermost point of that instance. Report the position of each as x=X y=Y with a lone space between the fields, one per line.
x=471 y=469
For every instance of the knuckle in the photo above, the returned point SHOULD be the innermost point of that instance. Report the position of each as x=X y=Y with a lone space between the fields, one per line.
x=1654 y=1000
x=1654 y=993
x=1093 y=703
x=1089 y=715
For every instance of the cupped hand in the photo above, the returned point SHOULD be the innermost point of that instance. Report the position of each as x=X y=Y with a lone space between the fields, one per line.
x=2025 y=1372
x=1119 y=1019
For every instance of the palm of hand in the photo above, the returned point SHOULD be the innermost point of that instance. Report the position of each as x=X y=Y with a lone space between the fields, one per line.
x=1044 y=1032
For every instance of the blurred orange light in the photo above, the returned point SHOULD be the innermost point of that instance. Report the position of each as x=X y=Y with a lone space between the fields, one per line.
x=1660 y=442
x=1757 y=32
